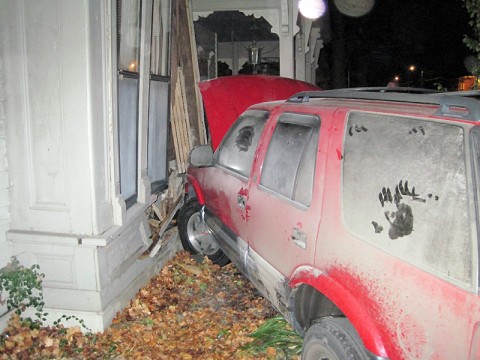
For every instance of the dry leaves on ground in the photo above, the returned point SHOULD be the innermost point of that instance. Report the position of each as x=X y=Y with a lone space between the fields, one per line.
x=189 y=311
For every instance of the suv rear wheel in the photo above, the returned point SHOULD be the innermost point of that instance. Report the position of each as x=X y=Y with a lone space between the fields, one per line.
x=333 y=339
x=196 y=236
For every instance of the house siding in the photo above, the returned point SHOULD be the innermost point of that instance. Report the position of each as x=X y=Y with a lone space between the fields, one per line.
x=5 y=251
x=4 y=183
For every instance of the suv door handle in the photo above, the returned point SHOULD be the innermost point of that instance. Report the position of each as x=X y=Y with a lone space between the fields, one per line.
x=299 y=238
x=241 y=201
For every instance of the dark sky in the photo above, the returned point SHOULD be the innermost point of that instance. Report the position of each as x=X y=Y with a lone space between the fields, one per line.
x=398 y=33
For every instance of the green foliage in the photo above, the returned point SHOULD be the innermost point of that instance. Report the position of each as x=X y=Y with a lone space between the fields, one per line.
x=23 y=289
x=473 y=42
x=276 y=333
x=58 y=322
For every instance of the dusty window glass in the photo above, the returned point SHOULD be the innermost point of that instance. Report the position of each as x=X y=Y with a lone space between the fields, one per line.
x=289 y=164
x=128 y=137
x=159 y=49
x=405 y=191
x=158 y=113
x=128 y=34
x=128 y=55
x=238 y=147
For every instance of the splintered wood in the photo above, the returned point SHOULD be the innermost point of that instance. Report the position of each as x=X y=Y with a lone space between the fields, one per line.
x=180 y=124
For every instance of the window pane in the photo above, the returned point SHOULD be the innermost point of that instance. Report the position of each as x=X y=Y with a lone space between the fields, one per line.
x=128 y=135
x=159 y=55
x=128 y=34
x=239 y=145
x=286 y=152
x=157 y=132
x=405 y=191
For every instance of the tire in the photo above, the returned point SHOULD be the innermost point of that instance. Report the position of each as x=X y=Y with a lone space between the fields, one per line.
x=333 y=339
x=195 y=235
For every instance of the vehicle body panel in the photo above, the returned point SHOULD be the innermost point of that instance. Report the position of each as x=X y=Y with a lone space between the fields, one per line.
x=401 y=309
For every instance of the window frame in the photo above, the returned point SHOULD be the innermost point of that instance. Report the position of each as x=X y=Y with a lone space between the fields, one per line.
x=136 y=180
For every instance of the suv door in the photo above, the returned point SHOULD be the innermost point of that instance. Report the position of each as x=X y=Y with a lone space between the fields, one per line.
x=225 y=184
x=283 y=213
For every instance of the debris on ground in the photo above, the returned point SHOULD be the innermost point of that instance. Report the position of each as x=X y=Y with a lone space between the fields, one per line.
x=190 y=310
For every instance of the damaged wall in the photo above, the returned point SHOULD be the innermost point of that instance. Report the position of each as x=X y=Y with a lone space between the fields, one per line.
x=59 y=102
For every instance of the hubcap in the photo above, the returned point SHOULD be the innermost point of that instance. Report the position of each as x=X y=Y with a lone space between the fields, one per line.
x=200 y=236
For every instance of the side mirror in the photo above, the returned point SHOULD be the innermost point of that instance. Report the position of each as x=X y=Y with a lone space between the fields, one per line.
x=201 y=156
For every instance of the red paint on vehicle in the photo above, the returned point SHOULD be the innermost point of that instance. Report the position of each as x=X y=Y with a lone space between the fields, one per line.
x=226 y=98
x=339 y=155
x=196 y=186
x=349 y=293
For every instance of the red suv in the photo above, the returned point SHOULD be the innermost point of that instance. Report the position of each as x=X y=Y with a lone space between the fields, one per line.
x=355 y=212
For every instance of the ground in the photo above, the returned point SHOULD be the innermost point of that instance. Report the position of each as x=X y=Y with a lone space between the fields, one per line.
x=191 y=310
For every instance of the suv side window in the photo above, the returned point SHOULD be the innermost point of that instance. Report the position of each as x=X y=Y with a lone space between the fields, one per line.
x=405 y=191
x=289 y=164
x=239 y=144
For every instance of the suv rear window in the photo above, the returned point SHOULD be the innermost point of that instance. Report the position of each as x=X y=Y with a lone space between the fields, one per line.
x=238 y=146
x=405 y=191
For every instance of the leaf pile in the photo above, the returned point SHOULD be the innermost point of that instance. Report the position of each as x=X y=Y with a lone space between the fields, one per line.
x=190 y=310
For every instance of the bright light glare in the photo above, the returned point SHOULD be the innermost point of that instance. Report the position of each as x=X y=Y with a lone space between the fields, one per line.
x=311 y=9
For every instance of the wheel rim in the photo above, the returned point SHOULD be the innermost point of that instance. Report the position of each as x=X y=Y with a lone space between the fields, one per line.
x=200 y=236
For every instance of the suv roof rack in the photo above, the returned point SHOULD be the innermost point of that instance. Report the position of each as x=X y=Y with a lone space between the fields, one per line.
x=457 y=104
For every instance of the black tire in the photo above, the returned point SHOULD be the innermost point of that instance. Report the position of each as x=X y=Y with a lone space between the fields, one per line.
x=333 y=339
x=195 y=235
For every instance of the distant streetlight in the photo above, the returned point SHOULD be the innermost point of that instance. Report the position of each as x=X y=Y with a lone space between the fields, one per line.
x=411 y=69
x=396 y=78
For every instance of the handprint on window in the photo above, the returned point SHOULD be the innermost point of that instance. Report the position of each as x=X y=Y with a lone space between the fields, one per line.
x=400 y=217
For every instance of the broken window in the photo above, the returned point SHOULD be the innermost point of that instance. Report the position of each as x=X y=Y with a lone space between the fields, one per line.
x=240 y=143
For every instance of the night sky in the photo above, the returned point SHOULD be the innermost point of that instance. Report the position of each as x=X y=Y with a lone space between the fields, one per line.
x=399 y=33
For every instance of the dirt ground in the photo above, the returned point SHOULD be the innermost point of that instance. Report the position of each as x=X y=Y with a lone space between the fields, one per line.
x=191 y=310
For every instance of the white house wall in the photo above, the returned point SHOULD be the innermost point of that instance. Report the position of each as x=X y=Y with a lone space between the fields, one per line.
x=5 y=251
x=57 y=96
x=4 y=181
x=48 y=107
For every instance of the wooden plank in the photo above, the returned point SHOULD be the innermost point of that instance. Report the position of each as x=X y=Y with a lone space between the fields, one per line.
x=182 y=114
x=174 y=120
x=186 y=120
x=202 y=134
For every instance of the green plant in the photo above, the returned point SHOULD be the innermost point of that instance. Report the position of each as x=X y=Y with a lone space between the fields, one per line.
x=57 y=323
x=276 y=333
x=473 y=42
x=23 y=288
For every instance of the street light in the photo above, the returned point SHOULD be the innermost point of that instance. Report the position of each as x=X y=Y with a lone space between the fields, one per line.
x=411 y=69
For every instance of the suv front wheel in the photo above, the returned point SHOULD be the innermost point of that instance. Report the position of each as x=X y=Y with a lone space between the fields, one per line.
x=196 y=236
x=333 y=339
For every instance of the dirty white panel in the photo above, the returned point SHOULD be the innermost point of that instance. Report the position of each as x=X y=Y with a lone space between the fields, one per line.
x=45 y=103
x=48 y=114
